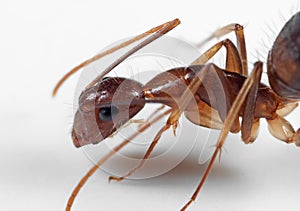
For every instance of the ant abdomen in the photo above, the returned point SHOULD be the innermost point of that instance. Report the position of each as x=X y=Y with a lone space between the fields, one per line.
x=284 y=61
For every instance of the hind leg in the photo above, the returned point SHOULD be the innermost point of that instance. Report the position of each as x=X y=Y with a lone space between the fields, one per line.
x=241 y=44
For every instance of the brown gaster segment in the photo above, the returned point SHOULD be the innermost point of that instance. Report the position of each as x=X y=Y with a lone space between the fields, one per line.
x=284 y=61
x=208 y=95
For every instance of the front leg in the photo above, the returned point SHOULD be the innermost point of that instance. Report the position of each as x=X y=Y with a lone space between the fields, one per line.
x=171 y=121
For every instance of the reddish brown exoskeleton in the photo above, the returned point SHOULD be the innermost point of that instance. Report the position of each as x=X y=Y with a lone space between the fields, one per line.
x=206 y=84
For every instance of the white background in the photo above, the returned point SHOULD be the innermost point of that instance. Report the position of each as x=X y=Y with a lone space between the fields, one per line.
x=40 y=41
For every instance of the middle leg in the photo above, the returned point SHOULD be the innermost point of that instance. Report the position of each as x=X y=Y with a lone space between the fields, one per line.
x=252 y=79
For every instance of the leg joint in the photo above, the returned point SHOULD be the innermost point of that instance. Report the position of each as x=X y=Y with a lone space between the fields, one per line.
x=238 y=27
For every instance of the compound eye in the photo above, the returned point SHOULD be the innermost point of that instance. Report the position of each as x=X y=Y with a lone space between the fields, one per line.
x=108 y=113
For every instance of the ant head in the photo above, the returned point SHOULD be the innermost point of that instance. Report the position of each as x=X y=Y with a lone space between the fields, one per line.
x=105 y=107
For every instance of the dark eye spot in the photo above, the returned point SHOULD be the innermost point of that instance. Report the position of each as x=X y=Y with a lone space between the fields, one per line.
x=108 y=113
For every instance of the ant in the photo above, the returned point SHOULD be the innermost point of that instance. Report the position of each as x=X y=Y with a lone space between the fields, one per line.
x=199 y=91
